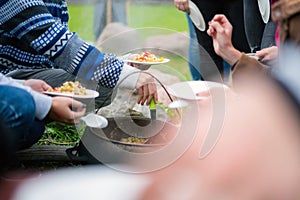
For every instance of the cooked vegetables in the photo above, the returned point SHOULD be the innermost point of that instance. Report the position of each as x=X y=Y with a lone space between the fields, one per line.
x=134 y=140
x=70 y=88
x=147 y=57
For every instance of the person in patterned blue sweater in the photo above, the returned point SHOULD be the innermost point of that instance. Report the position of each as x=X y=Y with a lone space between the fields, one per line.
x=35 y=43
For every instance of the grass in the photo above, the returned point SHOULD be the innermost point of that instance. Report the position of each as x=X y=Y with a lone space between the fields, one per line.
x=81 y=20
x=61 y=134
x=165 y=19
x=157 y=16
x=139 y=16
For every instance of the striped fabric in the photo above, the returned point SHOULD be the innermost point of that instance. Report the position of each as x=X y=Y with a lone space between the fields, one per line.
x=34 y=34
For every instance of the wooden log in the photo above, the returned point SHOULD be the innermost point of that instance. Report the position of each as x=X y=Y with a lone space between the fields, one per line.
x=44 y=153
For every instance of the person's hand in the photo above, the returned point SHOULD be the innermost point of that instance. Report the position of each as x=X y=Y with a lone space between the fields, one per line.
x=146 y=89
x=268 y=55
x=220 y=30
x=66 y=110
x=182 y=5
x=37 y=85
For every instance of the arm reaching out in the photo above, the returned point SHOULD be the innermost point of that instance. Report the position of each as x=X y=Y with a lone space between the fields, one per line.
x=37 y=85
x=268 y=55
x=66 y=110
x=220 y=30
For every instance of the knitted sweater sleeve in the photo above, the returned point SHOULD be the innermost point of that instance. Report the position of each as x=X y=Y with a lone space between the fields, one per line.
x=31 y=21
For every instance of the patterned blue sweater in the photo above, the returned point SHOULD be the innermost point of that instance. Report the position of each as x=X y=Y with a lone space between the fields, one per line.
x=34 y=34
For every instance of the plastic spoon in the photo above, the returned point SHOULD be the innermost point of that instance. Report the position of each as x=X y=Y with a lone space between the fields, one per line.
x=95 y=121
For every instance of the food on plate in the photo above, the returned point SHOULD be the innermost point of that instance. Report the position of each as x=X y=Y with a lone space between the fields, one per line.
x=70 y=87
x=147 y=57
x=134 y=140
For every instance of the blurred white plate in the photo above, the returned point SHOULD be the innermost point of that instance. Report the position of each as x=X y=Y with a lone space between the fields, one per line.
x=91 y=94
x=196 y=16
x=188 y=90
x=264 y=8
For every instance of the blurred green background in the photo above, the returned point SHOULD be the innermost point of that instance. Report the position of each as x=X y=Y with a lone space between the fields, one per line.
x=139 y=16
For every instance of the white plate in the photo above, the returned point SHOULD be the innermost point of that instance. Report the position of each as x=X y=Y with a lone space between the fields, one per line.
x=264 y=8
x=188 y=90
x=196 y=16
x=147 y=63
x=91 y=94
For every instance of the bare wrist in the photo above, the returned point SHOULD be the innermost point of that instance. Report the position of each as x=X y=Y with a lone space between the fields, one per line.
x=232 y=56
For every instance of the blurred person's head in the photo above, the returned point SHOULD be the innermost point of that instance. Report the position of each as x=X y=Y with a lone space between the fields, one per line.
x=257 y=155
x=287 y=14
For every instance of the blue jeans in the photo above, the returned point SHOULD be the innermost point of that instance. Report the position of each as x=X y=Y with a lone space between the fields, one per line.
x=193 y=52
x=17 y=114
